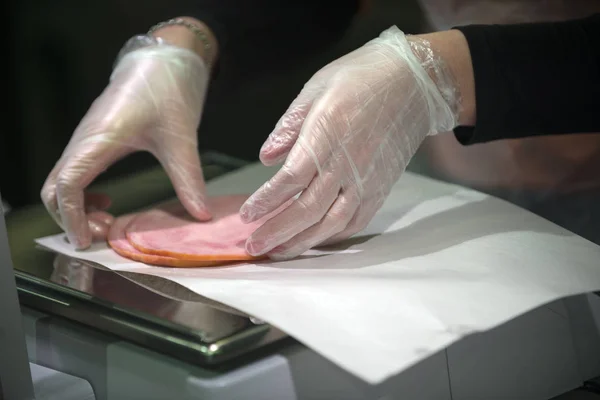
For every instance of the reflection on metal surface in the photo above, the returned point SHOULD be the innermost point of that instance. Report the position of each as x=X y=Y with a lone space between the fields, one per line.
x=211 y=322
x=195 y=323
x=257 y=321
x=146 y=310
x=48 y=298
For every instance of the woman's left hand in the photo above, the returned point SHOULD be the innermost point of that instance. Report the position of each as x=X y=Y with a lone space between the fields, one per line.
x=346 y=140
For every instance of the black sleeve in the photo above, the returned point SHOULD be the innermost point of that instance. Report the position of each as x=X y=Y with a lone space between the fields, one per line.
x=534 y=79
x=259 y=36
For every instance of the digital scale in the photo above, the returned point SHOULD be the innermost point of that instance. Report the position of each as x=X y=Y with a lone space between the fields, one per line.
x=120 y=336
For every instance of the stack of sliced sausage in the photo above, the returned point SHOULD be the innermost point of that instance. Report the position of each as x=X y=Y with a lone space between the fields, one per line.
x=168 y=236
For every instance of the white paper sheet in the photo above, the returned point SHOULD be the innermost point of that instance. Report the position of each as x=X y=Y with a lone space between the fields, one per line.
x=437 y=262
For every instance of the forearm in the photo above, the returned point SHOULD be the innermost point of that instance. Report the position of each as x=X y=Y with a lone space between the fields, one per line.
x=524 y=80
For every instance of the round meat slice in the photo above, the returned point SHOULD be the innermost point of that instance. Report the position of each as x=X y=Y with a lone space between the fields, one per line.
x=170 y=231
x=119 y=243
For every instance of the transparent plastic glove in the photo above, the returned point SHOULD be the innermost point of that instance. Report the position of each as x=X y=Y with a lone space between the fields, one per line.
x=153 y=103
x=346 y=139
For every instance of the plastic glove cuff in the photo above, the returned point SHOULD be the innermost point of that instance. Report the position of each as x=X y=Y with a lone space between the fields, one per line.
x=439 y=72
x=135 y=43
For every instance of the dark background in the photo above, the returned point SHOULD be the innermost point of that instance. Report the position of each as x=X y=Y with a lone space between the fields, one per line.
x=59 y=56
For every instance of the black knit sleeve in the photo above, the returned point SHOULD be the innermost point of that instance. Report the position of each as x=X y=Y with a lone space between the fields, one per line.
x=534 y=79
x=259 y=36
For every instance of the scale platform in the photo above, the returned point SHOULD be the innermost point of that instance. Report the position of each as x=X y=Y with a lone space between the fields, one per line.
x=143 y=309
x=249 y=359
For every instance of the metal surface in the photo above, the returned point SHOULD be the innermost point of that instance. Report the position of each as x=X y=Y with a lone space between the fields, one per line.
x=150 y=311
x=146 y=310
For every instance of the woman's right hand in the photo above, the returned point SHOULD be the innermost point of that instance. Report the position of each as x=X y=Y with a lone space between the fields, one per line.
x=153 y=103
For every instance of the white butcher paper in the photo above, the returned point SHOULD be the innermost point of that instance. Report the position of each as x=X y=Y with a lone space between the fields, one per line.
x=437 y=263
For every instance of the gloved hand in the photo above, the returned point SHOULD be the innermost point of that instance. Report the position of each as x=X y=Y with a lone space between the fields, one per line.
x=153 y=103
x=346 y=139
